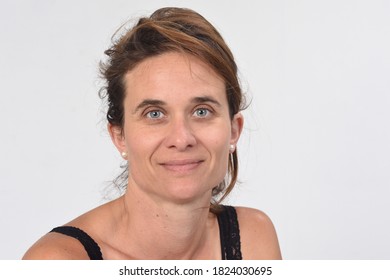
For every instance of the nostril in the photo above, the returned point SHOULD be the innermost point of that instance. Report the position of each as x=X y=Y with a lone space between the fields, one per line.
x=180 y=136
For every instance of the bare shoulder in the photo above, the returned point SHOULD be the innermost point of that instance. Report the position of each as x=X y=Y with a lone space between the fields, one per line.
x=258 y=235
x=56 y=246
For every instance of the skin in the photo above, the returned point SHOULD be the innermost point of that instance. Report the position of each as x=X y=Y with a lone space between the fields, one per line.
x=177 y=135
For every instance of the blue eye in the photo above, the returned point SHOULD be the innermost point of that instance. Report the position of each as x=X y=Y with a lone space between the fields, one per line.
x=202 y=112
x=154 y=114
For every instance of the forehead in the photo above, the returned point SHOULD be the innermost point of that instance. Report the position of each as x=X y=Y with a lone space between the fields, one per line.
x=173 y=75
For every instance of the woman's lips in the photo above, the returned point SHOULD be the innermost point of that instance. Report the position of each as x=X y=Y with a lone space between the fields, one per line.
x=181 y=165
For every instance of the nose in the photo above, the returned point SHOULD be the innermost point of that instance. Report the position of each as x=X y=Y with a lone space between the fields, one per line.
x=180 y=135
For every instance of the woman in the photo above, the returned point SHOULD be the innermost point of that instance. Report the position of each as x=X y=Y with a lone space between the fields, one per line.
x=174 y=106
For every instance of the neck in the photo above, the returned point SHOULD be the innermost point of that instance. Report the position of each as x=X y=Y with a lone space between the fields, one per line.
x=156 y=229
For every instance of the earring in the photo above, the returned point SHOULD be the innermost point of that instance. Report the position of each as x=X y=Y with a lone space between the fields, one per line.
x=232 y=148
x=124 y=155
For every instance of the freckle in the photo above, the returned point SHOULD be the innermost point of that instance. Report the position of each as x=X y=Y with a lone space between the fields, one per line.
x=157 y=215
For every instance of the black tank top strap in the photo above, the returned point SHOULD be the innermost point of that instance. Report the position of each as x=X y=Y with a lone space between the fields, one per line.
x=89 y=244
x=229 y=234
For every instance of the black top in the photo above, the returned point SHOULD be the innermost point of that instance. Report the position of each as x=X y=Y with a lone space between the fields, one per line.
x=228 y=229
x=229 y=232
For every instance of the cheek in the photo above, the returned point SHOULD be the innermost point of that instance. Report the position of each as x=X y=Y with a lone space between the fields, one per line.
x=218 y=136
x=218 y=144
x=141 y=148
x=140 y=144
x=220 y=163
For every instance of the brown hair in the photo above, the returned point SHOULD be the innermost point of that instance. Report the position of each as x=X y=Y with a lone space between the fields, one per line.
x=167 y=30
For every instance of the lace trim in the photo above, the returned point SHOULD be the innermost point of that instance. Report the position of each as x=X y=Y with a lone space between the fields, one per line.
x=229 y=234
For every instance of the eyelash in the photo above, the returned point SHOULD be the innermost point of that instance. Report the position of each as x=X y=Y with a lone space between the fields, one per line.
x=207 y=110
x=148 y=113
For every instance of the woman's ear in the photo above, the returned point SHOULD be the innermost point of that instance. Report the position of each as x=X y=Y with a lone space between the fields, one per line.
x=117 y=137
x=237 y=125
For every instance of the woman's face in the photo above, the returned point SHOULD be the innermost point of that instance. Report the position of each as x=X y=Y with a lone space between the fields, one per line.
x=177 y=130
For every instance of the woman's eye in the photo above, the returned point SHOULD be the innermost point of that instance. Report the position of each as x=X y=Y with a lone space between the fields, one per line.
x=202 y=112
x=154 y=114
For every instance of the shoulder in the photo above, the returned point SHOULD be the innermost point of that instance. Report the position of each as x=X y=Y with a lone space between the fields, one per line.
x=258 y=235
x=56 y=246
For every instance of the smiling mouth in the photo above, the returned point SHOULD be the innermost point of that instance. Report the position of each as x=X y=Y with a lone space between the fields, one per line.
x=181 y=165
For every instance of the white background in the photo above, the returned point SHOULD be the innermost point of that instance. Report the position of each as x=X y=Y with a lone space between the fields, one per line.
x=315 y=152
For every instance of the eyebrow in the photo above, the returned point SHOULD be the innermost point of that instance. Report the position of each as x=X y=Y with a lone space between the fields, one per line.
x=149 y=102
x=206 y=99
x=157 y=102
